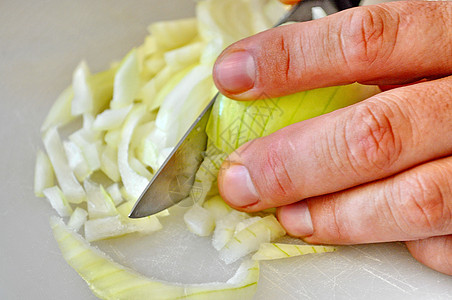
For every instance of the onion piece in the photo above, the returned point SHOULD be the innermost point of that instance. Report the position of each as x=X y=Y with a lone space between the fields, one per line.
x=76 y=160
x=154 y=92
x=153 y=65
x=77 y=219
x=225 y=227
x=173 y=34
x=104 y=228
x=91 y=145
x=184 y=56
x=109 y=163
x=115 y=193
x=111 y=118
x=248 y=239
x=60 y=112
x=199 y=220
x=217 y=207
x=127 y=82
x=246 y=223
x=58 y=201
x=269 y=251
x=110 y=280
x=99 y=203
x=44 y=176
x=133 y=182
x=318 y=13
x=83 y=95
x=66 y=178
x=113 y=137
x=119 y=225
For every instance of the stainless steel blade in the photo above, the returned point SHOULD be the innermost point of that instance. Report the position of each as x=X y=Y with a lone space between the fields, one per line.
x=173 y=181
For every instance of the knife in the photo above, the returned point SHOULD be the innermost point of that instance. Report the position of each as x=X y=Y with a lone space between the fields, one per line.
x=173 y=181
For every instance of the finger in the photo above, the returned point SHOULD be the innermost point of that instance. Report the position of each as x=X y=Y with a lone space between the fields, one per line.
x=384 y=44
x=379 y=137
x=434 y=252
x=413 y=205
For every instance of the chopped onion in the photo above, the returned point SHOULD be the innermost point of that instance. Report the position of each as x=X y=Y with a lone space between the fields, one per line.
x=173 y=34
x=246 y=223
x=199 y=221
x=217 y=207
x=109 y=163
x=269 y=251
x=60 y=112
x=133 y=182
x=58 y=201
x=66 y=178
x=76 y=160
x=104 y=228
x=78 y=219
x=91 y=146
x=83 y=95
x=99 y=203
x=115 y=194
x=44 y=176
x=111 y=118
x=248 y=239
x=225 y=228
x=127 y=82
x=318 y=12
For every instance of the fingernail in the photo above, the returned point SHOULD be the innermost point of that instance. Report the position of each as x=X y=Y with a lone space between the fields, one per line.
x=296 y=219
x=235 y=72
x=237 y=186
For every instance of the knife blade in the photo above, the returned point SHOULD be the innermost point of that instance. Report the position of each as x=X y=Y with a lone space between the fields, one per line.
x=174 y=180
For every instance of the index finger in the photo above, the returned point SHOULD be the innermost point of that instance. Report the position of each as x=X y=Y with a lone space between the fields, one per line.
x=383 y=44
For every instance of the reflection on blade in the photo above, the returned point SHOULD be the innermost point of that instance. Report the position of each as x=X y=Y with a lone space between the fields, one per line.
x=173 y=181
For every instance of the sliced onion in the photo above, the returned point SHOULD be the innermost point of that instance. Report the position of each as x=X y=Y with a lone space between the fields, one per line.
x=115 y=193
x=66 y=178
x=127 y=82
x=133 y=182
x=270 y=251
x=199 y=221
x=217 y=207
x=111 y=118
x=58 y=201
x=44 y=176
x=99 y=203
x=248 y=239
x=60 y=112
x=78 y=219
x=225 y=228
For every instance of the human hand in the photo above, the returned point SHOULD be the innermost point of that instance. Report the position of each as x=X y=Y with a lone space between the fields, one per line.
x=377 y=171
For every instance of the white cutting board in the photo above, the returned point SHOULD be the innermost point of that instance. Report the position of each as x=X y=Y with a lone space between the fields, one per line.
x=41 y=42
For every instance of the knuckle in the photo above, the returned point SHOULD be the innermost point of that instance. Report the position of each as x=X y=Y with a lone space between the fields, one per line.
x=277 y=177
x=370 y=139
x=369 y=35
x=423 y=207
x=289 y=54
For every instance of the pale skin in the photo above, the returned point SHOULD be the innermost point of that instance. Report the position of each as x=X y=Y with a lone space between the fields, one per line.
x=377 y=171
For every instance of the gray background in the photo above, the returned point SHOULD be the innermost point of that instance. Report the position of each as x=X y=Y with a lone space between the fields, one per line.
x=41 y=42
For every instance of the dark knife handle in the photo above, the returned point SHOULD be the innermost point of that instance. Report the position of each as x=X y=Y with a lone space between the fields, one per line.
x=345 y=4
